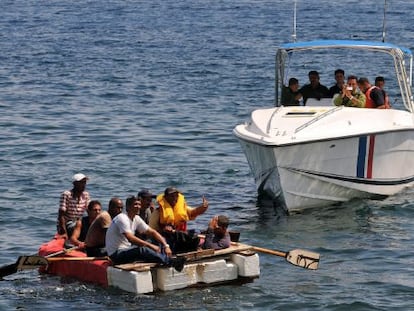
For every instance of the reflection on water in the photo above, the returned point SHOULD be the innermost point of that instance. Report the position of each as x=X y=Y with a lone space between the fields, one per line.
x=271 y=208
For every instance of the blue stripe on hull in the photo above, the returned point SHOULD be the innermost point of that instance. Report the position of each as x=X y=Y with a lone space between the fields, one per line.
x=362 y=152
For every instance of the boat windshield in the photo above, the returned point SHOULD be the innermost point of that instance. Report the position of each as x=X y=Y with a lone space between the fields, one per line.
x=367 y=60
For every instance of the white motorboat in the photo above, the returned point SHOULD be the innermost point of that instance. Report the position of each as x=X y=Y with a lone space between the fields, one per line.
x=321 y=154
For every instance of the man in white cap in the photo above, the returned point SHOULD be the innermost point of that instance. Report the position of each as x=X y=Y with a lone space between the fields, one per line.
x=72 y=205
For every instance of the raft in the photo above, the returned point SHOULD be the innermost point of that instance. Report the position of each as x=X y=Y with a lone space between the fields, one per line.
x=237 y=264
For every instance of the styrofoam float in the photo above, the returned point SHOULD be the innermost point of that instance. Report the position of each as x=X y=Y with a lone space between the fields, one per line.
x=204 y=268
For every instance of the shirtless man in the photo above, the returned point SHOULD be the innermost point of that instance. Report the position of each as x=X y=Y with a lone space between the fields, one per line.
x=82 y=225
x=95 y=238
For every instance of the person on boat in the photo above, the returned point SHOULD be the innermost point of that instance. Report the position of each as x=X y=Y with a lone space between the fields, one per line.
x=289 y=93
x=374 y=95
x=314 y=89
x=147 y=204
x=340 y=81
x=173 y=213
x=82 y=225
x=95 y=237
x=350 y=95
x=145 y=198
x=72 y=205
x=123 y=246
x=217 y=235
x=380 y=82
x=171 y=217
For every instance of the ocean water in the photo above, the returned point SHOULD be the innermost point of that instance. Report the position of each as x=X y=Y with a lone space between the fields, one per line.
x=146 y=94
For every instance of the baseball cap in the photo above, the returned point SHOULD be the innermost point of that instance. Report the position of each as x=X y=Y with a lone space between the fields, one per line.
x=145 y=193
x=170 y=190
x=223 y=221
x=79 y=177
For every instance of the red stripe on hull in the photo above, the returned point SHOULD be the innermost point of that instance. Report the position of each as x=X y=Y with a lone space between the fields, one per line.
x=370 y=156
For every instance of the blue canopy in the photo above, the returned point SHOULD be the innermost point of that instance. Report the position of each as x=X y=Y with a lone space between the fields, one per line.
x=399 y=54
x=357 y=44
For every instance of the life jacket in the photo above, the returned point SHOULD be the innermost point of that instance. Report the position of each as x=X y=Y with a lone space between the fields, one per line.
x=369 y=103
x=176 y=216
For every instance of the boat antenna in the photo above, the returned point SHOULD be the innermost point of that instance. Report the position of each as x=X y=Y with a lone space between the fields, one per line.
x=294 y=22
x=383 y=22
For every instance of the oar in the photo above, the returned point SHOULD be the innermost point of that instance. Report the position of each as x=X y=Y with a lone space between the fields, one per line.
x=63 y=251
x=22 y=263
x=29 y=262
x=298 y=257
x=8 y=269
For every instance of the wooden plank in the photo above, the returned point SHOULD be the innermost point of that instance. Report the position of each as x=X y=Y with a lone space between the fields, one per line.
x=197 y=255
x=192 y=256
x=247 y=252
x=210 y=253
x=137 y=266
x=234 y=248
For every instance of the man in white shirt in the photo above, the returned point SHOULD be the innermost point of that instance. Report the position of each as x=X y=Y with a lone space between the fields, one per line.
x=123 y=246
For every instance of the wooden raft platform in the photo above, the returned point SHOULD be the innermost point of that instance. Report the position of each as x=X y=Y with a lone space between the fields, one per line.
x=238 y=263
x=199 y=255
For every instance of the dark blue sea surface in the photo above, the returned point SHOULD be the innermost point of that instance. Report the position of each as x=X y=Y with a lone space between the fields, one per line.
x=146 y=94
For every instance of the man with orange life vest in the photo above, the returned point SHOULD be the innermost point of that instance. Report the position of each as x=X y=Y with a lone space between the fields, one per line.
x=172 y=215
x=374 y=95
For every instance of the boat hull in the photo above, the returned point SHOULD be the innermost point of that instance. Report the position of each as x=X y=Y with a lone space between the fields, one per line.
x=324 y=172
x=326 y=150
